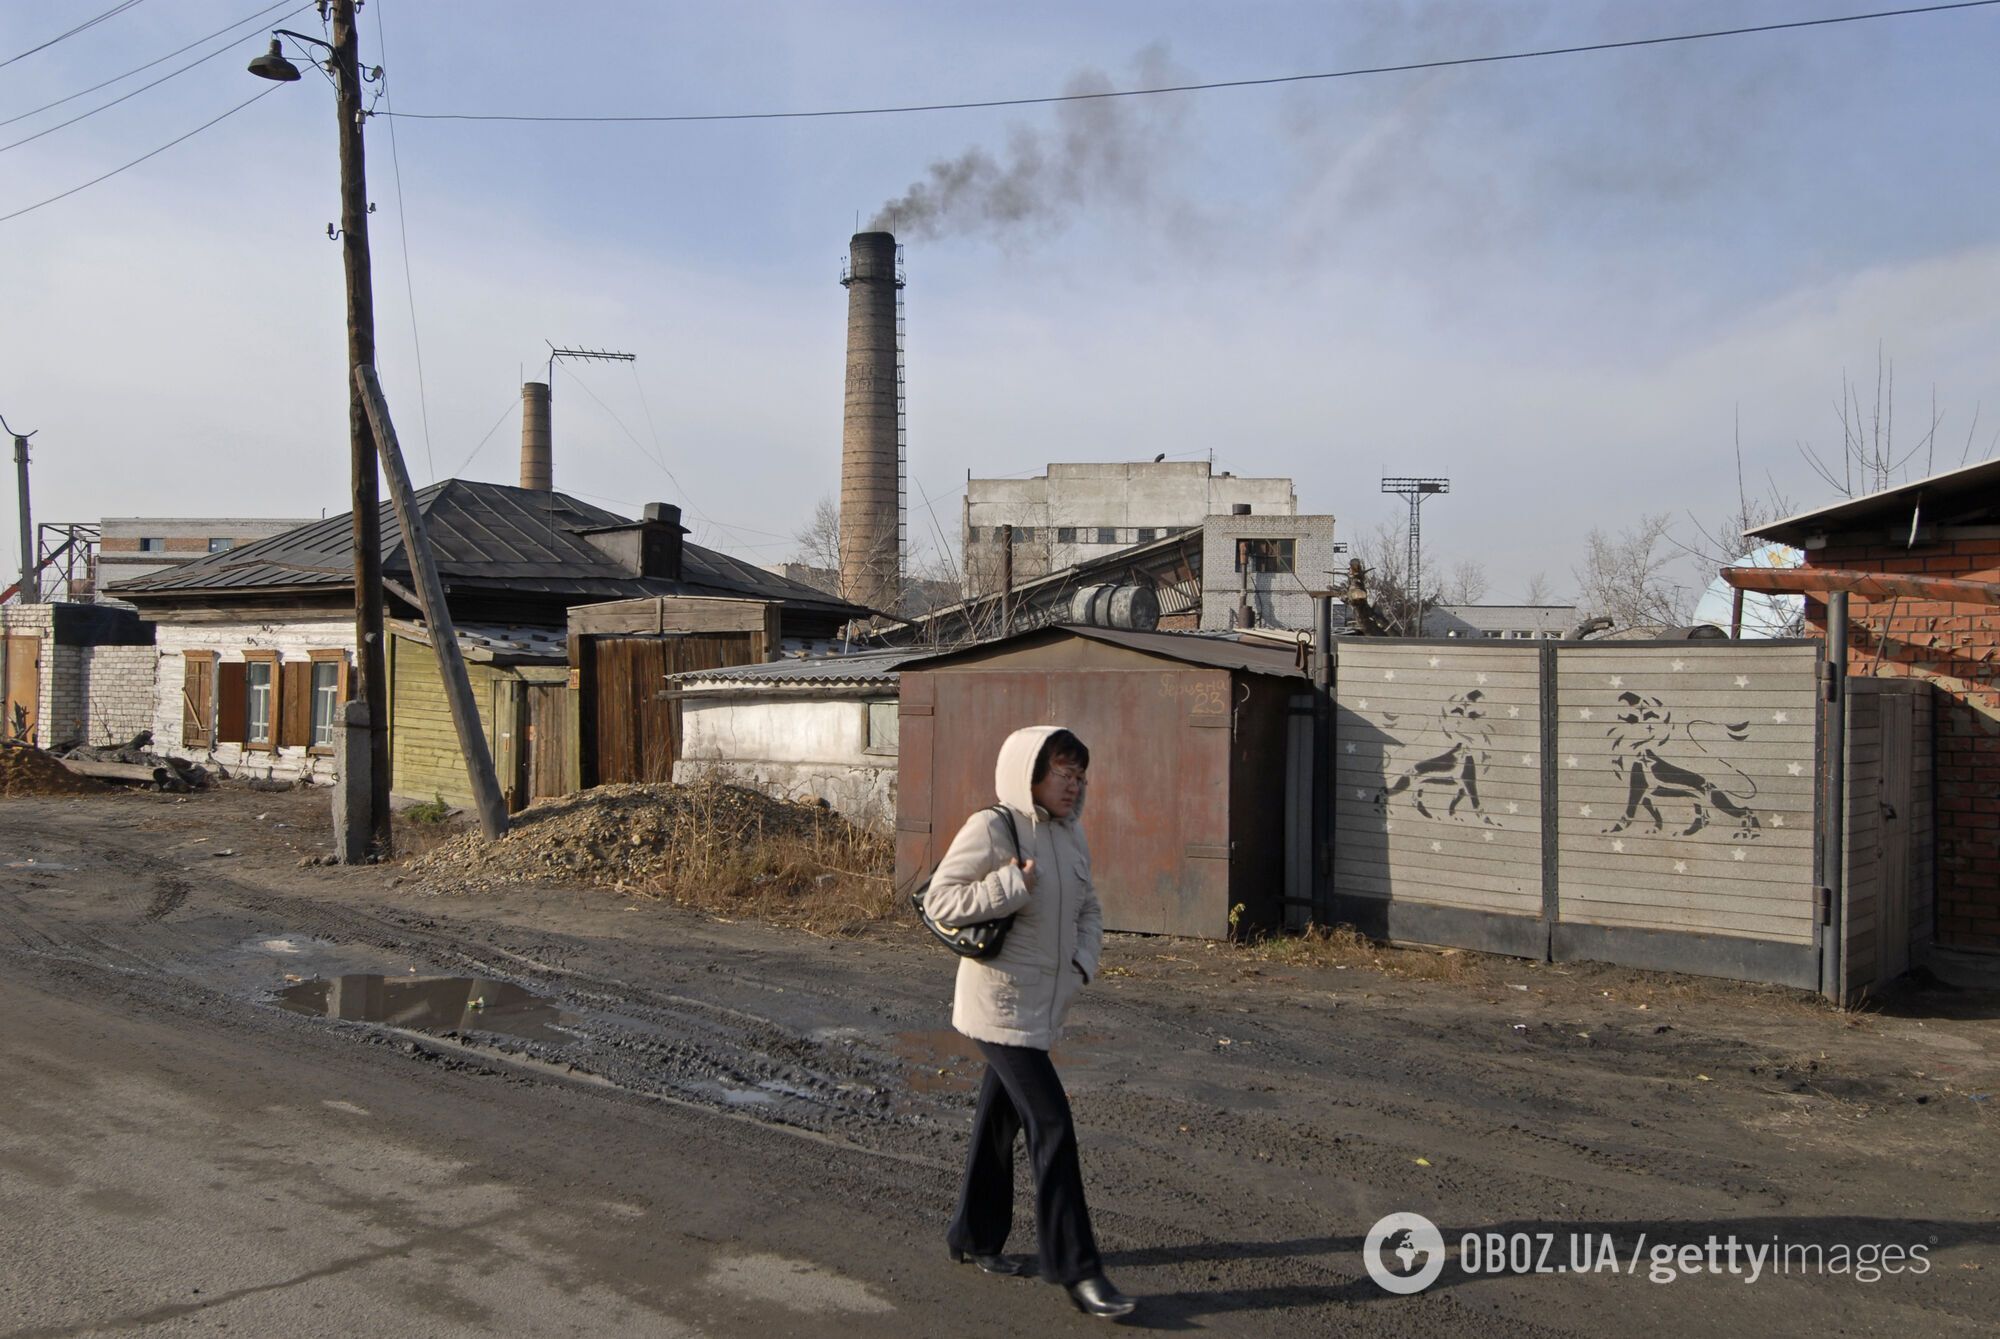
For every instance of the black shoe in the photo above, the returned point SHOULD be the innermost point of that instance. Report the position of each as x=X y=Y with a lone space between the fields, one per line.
x=1096 y=1297
x=992 y=1264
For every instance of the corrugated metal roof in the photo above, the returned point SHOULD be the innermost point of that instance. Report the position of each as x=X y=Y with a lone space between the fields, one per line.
x=495 y=643
x=872 y=667
x=1189 y=648
x=486 y=537
x=1967 y=495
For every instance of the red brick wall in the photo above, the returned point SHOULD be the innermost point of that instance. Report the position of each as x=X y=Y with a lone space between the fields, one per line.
x=1957 y=648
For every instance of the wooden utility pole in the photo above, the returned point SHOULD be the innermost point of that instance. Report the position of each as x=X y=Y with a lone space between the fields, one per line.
x=367 y=497
x=437 y=615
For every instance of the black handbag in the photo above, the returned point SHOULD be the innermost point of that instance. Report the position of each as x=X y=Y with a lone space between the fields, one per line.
x=983 y=938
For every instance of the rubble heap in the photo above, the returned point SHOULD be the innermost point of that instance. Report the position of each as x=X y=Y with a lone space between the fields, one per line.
x=637 y=837
x=169 y=773
x=26 y=770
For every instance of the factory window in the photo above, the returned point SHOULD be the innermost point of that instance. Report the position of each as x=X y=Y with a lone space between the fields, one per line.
x=1106 y=535
x=1552 y=636
x=1145 y=534
x=220 y=544
x=152 y=545
x=1024 y=534
x=1490 y=632
x=1065 y=534
x=1266 y=555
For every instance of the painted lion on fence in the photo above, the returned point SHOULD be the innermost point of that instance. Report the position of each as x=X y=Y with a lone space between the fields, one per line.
x=1450 y=780
x=1709 y=785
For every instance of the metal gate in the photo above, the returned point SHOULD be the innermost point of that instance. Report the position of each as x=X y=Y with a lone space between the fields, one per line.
x=1647 y=804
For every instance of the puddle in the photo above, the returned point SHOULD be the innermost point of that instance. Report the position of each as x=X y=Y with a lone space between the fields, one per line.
x=432 y=1004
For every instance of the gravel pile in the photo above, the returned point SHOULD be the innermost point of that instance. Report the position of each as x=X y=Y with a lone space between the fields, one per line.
x=645 y=838
x=27 y=770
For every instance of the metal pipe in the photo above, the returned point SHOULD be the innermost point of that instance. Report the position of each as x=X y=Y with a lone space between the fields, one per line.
x=31 y=586
x=1323 y=787
x=1833 y=944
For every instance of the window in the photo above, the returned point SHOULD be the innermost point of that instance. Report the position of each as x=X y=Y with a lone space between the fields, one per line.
x=1024 y=534
x=220 y=544
x=884 y=724
x=1145 y=535
x=1106 y=535
x=1489 y=632
x=1266 y=555
x=260 y=700
x=1065 y=534
x=325 y=702
x=1552 y=636
x=147 y=545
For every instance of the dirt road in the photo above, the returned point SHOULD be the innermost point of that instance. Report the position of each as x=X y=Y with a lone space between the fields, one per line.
x=553 y=1111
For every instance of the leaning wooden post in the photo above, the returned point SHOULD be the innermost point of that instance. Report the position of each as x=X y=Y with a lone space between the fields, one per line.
x=437 y=617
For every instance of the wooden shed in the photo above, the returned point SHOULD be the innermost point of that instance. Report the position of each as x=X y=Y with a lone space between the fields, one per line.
x=1193 y=800
x=620 y=654
x=520 y=683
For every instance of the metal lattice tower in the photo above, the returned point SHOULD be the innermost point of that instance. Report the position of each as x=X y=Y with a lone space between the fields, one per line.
x=1416 y=490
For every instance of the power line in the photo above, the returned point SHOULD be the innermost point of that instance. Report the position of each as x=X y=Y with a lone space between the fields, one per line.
x=140 y=69
x=110 y=13
x=29 y=209
x=222 y=50
x=403 y=232
x=1404 y=68
x=512 y=400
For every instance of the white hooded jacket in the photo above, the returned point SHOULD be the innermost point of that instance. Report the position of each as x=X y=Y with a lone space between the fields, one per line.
x=1020 y=996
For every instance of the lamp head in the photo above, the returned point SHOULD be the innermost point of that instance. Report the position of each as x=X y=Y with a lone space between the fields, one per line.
x=273 y=65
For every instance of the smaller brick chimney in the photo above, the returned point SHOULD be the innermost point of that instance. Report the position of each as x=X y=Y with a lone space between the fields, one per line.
x=647 y=547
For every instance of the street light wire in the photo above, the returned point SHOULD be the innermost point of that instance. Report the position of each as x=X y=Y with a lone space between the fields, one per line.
x=29 y=209
x=403 y=233
x=1267 y=81
x=231 y=45
x=140 y=69
x=110 y=13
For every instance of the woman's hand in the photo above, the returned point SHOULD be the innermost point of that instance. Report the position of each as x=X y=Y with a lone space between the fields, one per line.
x=1027 y=871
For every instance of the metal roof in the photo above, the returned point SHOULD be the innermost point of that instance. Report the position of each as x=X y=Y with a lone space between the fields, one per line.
x=1965 y=496
x=1189 y=648
x=871 y=667
x=496 y=644
x=486 y=536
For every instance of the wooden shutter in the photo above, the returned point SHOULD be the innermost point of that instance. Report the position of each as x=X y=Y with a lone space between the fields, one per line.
x=232 y=701
x=294 y=723
x=197 y=700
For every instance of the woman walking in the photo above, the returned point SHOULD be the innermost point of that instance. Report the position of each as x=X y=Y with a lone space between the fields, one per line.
x=1012 y=1005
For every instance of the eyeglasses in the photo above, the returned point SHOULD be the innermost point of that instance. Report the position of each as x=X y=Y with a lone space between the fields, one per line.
x=1065 y=774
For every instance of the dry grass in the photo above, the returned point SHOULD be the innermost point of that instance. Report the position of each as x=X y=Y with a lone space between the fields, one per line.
x=1345 y=946
x=823 y=874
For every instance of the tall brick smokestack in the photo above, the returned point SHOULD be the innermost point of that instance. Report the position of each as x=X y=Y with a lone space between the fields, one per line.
x=537 y=448
x=870 y=469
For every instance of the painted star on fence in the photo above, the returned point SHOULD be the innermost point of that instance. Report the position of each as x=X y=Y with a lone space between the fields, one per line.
x=1360 y=793
x=1513 y=806
x=1362 y=705
x=1481 y=678
x=1617 y=681
x=1388 y=674
x=1736 y=855
x=1513 y=712
x=1585 y=713
x=1350 y=746
x=1742 y=681
x=1795 y=769
x=1619 y=846
x=1572 y=761
x=1436 y=661
x=1777 y=820
x=1779 y=718
x=1527 y=761
x=1486 y=836
x=1680 y=866
x=1437 y=846
x=1680 y=665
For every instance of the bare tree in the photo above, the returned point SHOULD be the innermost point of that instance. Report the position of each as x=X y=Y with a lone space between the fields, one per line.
x=1629 y=577
x=1539 y=591
x=1468 y=583
x=819 y=538
x=1384 y=555
x=1870 y=460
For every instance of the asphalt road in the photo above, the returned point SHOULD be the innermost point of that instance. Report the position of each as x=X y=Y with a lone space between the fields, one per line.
x=691 y=1127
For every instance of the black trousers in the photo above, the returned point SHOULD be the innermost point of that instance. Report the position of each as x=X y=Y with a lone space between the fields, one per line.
x=1021 y=1088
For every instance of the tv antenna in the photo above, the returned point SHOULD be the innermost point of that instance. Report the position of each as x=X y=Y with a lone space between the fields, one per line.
x=1416 y=490
x=583 y=355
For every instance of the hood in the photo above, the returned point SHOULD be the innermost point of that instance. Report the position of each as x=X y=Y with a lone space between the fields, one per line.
x=1014 y=770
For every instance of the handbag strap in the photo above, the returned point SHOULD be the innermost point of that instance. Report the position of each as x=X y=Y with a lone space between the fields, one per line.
x=1012 y=830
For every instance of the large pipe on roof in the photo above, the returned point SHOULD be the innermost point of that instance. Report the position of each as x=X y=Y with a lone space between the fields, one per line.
x=538 y=469
x=870 y=449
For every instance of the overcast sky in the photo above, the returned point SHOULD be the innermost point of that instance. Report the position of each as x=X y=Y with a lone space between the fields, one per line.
x=1562 y=283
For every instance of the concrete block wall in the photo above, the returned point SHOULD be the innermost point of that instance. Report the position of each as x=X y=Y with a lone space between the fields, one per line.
x=1278 y=598
x=796 y=750
x=1956 y=647
x=292 y=640
x=119 y=689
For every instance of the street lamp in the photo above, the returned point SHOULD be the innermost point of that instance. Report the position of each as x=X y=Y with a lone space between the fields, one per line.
x=343 y=63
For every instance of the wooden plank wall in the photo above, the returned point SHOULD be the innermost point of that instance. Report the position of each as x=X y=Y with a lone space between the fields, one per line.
x=1438 y=759
x=424 y=755
x=1686 y=777
x=1875 y=706
x=1862 y=873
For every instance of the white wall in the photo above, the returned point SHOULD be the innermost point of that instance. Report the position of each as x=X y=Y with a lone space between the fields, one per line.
x=119 y=691
x=806 y=749
x=293 y=641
